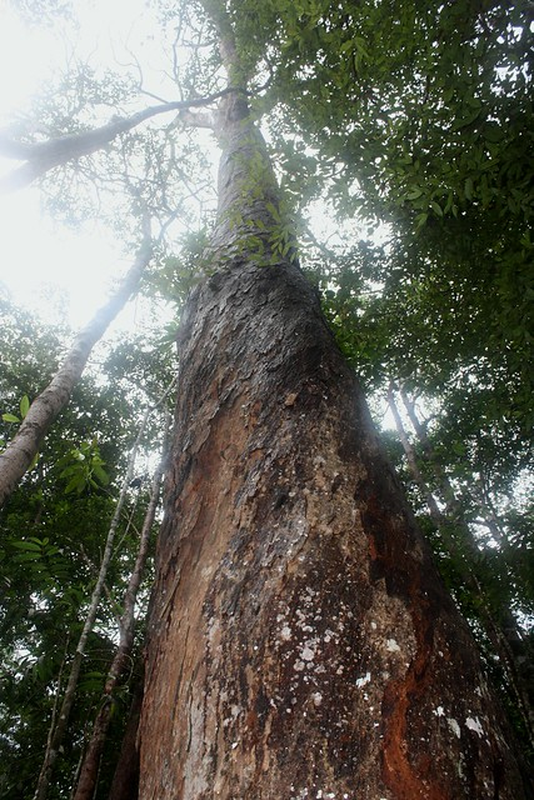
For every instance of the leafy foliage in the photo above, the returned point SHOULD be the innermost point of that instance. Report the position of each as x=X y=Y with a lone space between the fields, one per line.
x=51 y=537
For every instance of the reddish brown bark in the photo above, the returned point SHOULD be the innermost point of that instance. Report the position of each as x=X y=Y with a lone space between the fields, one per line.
x=300 y=639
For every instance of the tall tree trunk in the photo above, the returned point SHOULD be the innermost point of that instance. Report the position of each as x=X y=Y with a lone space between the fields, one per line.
x=301 y=643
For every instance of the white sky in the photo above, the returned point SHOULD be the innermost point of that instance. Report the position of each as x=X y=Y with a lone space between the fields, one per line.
x=36 y=253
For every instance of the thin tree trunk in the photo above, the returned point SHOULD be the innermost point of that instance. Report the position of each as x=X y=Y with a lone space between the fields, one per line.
x=89 y=772
x=59 y=730
x=435 y=513
x=125 y=783
x=22 y=449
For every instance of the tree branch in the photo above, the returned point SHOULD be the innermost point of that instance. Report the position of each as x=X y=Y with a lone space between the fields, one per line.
x=40 y=157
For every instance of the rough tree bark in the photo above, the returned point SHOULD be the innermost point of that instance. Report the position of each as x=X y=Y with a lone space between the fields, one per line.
x=301 y=643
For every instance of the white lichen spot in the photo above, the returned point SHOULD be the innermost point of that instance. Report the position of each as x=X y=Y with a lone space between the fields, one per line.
x=439 y=711
x=317 y=699
x=453 y=725
x=478 y=691
x=374 y=626
x=299 y=666
x=307 y=653
x=474 y=725
x=285 y=633
x=460 y=768
x=363 y=680
x=392 y=646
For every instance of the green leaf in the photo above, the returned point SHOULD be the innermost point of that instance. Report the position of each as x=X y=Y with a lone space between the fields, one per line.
x=24 y=406
x=76 y=484
x=10 y=418
x=101 y=474
x=468 y=188
x=420 y=220
x=493 y=132
x=29 y=556
x=24 y=545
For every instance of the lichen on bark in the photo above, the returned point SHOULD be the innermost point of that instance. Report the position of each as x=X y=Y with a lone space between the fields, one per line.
x=300 y=638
